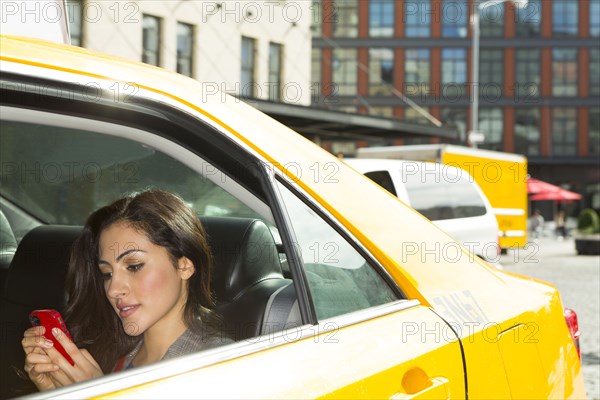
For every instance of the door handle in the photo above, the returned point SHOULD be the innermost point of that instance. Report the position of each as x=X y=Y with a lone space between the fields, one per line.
x=438 y=389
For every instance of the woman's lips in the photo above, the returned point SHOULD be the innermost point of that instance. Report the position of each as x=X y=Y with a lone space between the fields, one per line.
x=126 y=311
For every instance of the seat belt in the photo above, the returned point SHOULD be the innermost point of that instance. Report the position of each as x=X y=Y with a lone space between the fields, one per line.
x=278 y=309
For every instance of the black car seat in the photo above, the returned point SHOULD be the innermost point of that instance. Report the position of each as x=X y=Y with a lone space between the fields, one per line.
x=35 y=280
x=252 y=295
x=8 y=246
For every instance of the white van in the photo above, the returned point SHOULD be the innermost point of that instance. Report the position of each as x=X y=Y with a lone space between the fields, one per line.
x=446 y=195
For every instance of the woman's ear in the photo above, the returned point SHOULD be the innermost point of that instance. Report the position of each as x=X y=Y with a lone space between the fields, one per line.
x=185 y=267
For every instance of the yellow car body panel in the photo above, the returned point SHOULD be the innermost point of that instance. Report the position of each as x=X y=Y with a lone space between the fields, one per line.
x=492 y=311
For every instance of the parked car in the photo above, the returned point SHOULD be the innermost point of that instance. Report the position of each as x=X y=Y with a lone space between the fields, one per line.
x=328 y=298
x=446 y=195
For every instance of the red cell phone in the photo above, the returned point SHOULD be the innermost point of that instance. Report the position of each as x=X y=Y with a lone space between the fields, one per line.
x=51 y=319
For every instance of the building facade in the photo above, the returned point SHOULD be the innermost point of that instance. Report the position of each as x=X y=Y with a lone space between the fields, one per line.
x=250 y=49
x=539 y=74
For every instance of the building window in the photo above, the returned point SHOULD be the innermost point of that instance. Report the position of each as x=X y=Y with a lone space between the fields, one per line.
x=151 y=40
x=345 y=69
x=247 y=82
x=528 y=19
x=345 y=19
x=594 y=18
x=382 y=111
x=527 y=77
x=564 y=132
x=454 y=18
x=594 y=131
x=527 y=131
x=381 y=18
x=416 y=72
x=491 y=123
x=491 y=73
x=454 y=73
x=417 y=17
x=565 y=16
x=595 y=71
x=564 y=72
x=185 y=48
x=456 y=118
x=274 y=71
x=315 y=76
x=491 y=19
x=316 y=27
x=75 y=10
x=381 y=71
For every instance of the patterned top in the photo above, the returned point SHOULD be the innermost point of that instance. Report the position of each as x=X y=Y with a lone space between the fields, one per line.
x=189 y=342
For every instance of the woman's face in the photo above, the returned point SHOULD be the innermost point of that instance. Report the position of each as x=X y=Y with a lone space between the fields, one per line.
x=140 y=281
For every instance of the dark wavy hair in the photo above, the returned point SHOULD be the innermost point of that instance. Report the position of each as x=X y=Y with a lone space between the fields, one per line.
x=168 y=222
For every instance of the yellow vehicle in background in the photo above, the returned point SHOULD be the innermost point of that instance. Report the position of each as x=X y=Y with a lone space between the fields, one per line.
x=501 y=176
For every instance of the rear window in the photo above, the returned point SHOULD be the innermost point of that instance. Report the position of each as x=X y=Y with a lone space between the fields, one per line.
x=383 y=179
x=440 y=196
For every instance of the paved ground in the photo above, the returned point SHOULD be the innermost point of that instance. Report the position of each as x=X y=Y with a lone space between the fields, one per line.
x=578 y=279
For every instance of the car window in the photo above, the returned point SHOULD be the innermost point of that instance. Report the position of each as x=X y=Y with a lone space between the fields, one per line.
x=383 y=179
x=59 y=174
x=339 y=277
x=440 y=196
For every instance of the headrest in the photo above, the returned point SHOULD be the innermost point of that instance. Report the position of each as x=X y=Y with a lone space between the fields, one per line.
x=37 y=273
x=8 y=243
x=244 y=254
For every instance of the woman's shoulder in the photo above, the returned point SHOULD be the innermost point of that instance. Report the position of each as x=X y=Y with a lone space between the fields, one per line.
x=194 y=340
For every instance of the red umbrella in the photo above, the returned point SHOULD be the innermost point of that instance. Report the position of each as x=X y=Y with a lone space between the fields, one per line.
x=560 y=194
x=537 y=186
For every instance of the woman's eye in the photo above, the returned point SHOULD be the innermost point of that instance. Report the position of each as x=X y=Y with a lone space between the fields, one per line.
x=135 y=267
x=106 y=275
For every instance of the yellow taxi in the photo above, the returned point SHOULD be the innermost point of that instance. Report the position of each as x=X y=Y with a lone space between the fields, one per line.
x=331 y=286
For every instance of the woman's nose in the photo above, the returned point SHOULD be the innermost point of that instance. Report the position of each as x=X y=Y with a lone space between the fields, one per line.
x=118 y=286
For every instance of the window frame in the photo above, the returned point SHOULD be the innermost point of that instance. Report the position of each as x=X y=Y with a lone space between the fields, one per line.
x=187 y=59
x=341 y=230
x=148 y=52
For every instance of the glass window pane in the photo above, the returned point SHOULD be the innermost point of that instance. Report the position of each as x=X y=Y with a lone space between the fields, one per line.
x=491 y=123
x=185 y=48
x=565 y=18
x=528 y=18
x=339 y=278
x=454 y=18
x=564 y=72
x=247 y=82
x=345 y=71
x=564 y=132
x=417 y=18
x=345 y=18
x=527 y=131
x=381 y=18
x=381 y=72
x=151 y=40
x=274 y=82
x=594 y=131
x=491 y=19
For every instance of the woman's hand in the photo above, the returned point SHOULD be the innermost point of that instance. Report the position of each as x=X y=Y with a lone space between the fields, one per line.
x=85 y=366
x=38 y=364
x=48 y=369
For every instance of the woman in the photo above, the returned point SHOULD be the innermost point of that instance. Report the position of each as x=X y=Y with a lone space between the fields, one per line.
x=139 y=292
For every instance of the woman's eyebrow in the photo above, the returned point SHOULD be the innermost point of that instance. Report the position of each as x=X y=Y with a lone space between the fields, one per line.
x=125 y=253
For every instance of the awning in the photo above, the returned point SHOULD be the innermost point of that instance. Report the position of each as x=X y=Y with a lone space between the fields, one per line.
x=561 y=195
x=312 y=121
x=536 y=186
x=546 y=191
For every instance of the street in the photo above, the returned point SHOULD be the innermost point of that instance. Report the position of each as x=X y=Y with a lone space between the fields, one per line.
x=578 y=279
